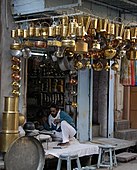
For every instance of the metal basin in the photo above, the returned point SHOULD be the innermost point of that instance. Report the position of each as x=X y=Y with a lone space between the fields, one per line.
x=25 y=153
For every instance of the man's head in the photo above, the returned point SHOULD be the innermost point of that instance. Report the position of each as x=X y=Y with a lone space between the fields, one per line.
x=54 y=109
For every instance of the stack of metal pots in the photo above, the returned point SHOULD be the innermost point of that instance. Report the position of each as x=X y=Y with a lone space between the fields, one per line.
x=10 y=123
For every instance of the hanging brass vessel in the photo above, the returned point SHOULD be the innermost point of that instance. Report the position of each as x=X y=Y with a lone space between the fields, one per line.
x=115 y=66
x=13 y=33
x=126 y=35
x=119 y=30
x=81 y=47
x=109 y=52
x=97 y=66
x=133 y=33
x=102 y=25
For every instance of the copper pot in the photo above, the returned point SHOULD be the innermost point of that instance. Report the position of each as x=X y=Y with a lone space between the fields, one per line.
x=16 y=60
x=40 y=44
x=16 y=77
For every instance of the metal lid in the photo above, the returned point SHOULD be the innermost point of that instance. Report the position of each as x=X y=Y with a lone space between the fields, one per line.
x=25 y=153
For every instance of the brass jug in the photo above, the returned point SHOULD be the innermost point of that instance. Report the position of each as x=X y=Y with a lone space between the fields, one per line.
x=119 y=29
x=25 y=33
x=31 y=30
x=73 y=27
x=102 y=25
x=64 y=30
x=37 y=30
x=80 y=31
x=13 y=33
x=19 y=32
x=126 y=35
x=133 y=33
x=111 y=29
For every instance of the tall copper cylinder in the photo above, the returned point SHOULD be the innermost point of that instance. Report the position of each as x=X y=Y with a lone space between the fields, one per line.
x=10 y=123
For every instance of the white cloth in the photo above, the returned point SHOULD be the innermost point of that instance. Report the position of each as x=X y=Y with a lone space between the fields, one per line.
x=51 y=119
x=67 y=132
x=75 y=147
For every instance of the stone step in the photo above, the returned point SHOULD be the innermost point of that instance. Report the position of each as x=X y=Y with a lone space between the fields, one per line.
x=121 y=125
x=127 y=134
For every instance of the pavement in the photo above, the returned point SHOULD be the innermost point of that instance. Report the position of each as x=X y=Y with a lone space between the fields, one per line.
x=131 y=165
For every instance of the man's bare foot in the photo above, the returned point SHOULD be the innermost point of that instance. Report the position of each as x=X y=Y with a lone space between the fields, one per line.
x=63 y=144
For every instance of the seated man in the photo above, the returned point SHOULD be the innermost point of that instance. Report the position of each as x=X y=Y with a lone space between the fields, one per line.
x=62 y=124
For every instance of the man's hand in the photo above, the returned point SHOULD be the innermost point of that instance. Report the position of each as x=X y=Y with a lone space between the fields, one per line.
x=56 y=121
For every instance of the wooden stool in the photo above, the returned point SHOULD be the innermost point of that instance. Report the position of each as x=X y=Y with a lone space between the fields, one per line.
x=110 y=151
x=68 y=158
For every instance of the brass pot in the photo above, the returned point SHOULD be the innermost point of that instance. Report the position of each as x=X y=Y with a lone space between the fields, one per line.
x=31 y=30
x=102 y=25
x=25 y=33
x=22 y=119
x=64 y=30
x=13 y=33
x=16 y=93
x=37 y=30
x=119 y=29
x=73 y=27
x=81 y=47
x=109 y=52
x=16 y=46
x=133 y=31
x=126 y=35
x=15 y=85
x=80 y=31
x=107 y=67
x=115 y=66
x=15 y=68
x=111 y=29
x=19 y=32
x=68 y=43
x=97 y=66
x=132 y=54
